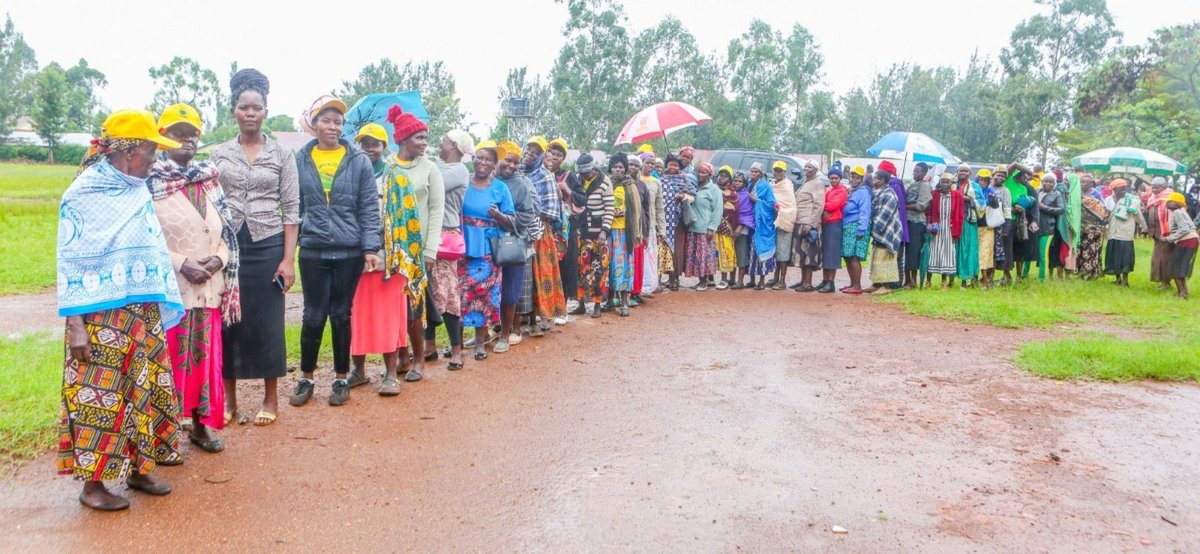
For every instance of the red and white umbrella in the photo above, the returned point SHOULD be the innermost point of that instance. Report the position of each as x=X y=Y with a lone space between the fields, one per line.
x=660 y=120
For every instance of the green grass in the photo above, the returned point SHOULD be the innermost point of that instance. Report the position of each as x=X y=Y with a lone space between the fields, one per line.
x=31 y=370
x=1168 y=355
x=34 y=181
x=29 y=195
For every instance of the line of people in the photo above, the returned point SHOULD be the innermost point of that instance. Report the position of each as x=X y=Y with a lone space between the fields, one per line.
x=173 y=271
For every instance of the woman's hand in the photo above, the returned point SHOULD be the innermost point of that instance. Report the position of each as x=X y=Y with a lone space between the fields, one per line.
x=194 y=272
x=287 y=270
x=371 y=262
x=79 y=343
x=212 y=264
x=1033 y=226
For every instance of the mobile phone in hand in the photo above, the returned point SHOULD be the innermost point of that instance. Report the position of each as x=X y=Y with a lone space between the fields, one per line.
x=279 y=283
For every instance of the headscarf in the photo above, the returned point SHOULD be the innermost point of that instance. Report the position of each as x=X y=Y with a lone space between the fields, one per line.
x=101 y=147
x=167 y=178
x=709 y=166
x=1156 y=207
x=403 y=247
x=1015 y=189
x=111 y=249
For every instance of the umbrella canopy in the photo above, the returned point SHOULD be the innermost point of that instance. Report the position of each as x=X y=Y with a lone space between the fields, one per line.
x=660 y=120
x=917 y=147
x=373 y=108
x=1129 y=160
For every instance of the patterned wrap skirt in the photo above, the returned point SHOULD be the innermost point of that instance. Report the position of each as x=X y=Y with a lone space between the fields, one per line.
x=119 y=411
x=853 y=245
x=666 y=257
x=987 y=248
x=1091 y=242
x=639 y=268
x=807 y=250
x=884 y=268
x=594 y=262
x=446 y=287
x=783 y=246
x=620 y=275
x=195 y=349
x=701 y=255
x=525 y=301
x=480 y=282
x=379 y=316
x=941 y=255
x=727 y=259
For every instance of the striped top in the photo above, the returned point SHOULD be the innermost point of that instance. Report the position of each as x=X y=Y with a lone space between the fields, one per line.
x=600 y=207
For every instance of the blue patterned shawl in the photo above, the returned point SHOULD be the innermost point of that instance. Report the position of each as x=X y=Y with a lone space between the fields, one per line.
x=111 y=249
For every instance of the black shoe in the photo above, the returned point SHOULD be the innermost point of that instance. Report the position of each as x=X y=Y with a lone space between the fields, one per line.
x=303 y=393
x=796 y=286
x=826 y=287
x=579 y=310
x=358 y=379
x=804 y=288
x=340 y=394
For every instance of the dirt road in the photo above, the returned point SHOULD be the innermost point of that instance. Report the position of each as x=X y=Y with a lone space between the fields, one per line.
x=687 y=427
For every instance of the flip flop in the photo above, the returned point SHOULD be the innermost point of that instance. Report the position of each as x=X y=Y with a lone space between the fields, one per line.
x=264 y=418
x=229 y=416
x=432 y=356
x=481 y=355
x=454 y=366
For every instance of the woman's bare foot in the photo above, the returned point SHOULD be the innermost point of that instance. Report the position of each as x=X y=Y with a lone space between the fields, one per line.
x=97 y=497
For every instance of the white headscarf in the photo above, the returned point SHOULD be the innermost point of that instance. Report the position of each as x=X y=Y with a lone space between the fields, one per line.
x=462 y=141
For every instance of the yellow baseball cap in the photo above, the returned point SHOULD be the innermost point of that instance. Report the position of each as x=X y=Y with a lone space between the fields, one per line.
x=984 y=173
x=646 y=148
x=491 y=145
x=179 y=113
x=1177 y=198
x=540 y=141
x=560 y=143
x=726 y=169
x=323 y=102
x=510 y=148
x=779 y=164
x=135 y=125
x=373 y=130
x=859 y=170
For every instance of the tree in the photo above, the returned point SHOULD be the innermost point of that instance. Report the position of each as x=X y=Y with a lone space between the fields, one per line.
x=439 y=90
x=803 y=60
x=184 y=80
x=591 y=79
x=83 y=82
x=18 y=67
x=757 y=68
x=1057 y=47
x=1146 y=96
x=50 y=109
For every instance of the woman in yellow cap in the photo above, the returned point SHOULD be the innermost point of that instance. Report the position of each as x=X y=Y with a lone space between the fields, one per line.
x=1182 y=233
x=118 y=293
x=263 y=191
x=785 y=223
x=196 y=222
x=981 y=187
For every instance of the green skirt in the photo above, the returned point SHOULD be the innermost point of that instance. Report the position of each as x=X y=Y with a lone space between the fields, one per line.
x=968 y=251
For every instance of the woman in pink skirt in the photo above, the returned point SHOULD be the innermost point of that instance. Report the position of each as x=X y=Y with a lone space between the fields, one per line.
x=380 y=315
x=195 y=221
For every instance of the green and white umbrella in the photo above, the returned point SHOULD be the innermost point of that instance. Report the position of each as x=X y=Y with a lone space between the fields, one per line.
x=1129 y=160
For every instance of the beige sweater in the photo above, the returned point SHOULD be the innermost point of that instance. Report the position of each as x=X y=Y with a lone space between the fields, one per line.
x=191 y=238
x=785 y=196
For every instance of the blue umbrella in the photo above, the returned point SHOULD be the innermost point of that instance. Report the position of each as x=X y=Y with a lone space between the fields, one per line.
x=373 y=108
x=917 y=147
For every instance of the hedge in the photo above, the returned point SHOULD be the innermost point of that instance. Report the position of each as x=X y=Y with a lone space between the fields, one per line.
x=64 y=154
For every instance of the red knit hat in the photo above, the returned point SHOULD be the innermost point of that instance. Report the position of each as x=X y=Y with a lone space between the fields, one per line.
x=406 y=124
x=888 y=167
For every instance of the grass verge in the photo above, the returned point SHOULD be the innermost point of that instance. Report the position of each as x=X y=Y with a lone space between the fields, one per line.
x=1169 y=354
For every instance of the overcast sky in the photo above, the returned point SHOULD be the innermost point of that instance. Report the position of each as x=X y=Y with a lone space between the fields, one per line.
x=308 y=48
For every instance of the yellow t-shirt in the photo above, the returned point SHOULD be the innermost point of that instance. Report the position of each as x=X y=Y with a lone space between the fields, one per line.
x=327 y=162
x=619 y=207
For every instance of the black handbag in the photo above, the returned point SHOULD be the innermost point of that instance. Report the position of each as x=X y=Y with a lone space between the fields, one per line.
x=509 y=250
x=686 y=217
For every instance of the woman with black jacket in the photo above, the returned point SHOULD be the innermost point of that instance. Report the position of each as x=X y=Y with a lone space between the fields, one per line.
x=339 y=237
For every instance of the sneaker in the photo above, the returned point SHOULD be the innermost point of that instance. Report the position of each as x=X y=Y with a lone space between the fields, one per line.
x=303 y=392
x=722 y=285
x=341 y=392
x=702 y=286
x=514 y=339
x=560 y=320
x=358 y=379
x=572 y=305
x=501 y=346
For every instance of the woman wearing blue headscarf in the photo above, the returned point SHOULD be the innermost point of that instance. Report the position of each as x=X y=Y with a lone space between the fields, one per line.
x=763 y=197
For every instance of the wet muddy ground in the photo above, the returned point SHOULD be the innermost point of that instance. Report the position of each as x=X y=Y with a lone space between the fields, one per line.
x=687 y=427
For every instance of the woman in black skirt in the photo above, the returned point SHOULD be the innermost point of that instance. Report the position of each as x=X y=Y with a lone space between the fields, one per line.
x=260 y=182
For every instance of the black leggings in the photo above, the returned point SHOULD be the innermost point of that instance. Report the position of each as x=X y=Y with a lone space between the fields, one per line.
x=453 y=329
x=568 y=268
x=329 y=287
